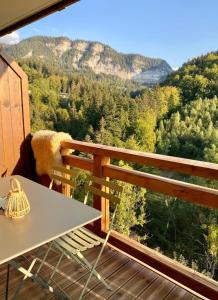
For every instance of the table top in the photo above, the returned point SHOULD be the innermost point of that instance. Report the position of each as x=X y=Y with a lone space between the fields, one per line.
x=51 y=216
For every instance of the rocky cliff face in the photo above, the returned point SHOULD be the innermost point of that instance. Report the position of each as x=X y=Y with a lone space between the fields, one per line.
x=94 y=56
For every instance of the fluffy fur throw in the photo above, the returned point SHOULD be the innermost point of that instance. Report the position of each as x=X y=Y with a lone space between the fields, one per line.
x=47 y=150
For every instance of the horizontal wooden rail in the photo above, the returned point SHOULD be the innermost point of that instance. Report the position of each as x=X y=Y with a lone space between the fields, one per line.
x=181 y=165
x=186 y=191
x=189 y=192
x=78 y=162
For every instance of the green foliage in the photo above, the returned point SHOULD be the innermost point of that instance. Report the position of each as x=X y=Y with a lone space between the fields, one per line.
x=188 y=232
x=144 y=131
x=131 y=210
x=197 y=79
x=183 y=231
x=191 y=132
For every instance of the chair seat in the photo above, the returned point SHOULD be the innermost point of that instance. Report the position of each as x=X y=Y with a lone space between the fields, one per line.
x=78 y=240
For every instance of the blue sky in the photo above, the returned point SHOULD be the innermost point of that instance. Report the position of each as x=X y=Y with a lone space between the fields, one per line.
x=175 y=30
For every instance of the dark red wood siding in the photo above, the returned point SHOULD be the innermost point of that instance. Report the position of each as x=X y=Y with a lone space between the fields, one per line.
x=14 y=117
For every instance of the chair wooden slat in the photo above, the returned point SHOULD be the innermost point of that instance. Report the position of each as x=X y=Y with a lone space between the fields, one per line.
x=81 y=241
x=64 y=170
x=65 y=246
x=106 y=183
x=63 y=180
x=58 y=243
x=73 y=243
x=90 y=234
x=94 y=241
x=98 y=192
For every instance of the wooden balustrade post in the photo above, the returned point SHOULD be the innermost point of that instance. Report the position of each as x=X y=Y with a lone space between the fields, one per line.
x=66 y=188
x=99 y=202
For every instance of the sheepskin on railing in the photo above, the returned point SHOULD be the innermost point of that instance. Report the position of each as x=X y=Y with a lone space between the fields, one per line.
x=46 y=145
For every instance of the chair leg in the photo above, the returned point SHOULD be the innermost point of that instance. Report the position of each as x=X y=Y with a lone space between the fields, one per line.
x=93 y=271
x=56 y=267
x=79 y=258
x=44 y=259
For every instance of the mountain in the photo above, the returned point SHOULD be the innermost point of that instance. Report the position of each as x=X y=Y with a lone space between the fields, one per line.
x=97 y=57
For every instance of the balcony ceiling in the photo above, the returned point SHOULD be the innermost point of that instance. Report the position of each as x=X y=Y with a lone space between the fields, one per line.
x=15 y=14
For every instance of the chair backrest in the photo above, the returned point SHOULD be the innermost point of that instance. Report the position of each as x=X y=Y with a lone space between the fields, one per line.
x=110 y=190
x=64 y=176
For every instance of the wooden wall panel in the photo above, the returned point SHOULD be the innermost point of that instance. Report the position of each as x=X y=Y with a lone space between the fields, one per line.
x=16 y=113
x=2 y=154
x=15 y=151
x=6 y=147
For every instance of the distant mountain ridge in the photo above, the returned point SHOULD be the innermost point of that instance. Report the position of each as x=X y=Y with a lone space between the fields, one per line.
x=95 y=56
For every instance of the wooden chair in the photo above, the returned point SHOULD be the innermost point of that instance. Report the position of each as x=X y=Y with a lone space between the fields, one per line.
x=72 y=245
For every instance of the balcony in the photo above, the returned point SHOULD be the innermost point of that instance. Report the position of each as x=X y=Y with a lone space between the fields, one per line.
x=134 y=271
x=138 y=271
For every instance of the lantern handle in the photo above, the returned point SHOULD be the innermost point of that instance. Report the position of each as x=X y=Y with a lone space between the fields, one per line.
x=15 y=185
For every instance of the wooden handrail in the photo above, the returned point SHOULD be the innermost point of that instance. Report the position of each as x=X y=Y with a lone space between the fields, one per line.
x=176 y=164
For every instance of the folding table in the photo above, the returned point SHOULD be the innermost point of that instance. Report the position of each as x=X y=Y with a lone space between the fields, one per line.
x=51 y=216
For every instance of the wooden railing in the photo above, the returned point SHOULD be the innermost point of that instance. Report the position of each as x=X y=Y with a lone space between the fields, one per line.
x=100 y=166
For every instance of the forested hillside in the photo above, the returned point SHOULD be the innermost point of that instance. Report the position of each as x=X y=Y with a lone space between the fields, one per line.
x=97 y=108
x=188 y=232
x=198 y=78
x=191 y=131
x=179 y=118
